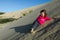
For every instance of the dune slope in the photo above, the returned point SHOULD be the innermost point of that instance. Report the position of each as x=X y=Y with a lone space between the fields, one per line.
x=15 y=31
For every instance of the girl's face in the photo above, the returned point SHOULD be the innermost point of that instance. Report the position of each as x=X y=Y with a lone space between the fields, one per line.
x=43 y=14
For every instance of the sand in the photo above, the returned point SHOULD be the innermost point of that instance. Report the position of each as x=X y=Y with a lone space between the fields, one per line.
x=20 y=28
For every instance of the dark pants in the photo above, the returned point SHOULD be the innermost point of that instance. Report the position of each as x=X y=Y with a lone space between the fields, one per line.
x=35 y=25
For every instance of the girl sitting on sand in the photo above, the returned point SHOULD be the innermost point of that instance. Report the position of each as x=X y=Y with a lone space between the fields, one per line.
x=42 y=18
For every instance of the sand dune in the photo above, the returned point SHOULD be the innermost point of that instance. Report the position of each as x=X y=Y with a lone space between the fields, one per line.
x=17 y=14
x=19 y=29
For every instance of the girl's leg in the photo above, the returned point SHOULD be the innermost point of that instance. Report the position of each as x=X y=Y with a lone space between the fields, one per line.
x=35 y=26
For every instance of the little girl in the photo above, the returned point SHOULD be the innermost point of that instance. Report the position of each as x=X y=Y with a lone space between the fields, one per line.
x=41 y=19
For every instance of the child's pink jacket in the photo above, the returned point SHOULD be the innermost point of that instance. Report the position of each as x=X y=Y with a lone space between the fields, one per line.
x=42 y=19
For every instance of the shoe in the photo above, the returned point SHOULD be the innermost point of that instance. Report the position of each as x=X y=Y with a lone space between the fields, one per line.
x=33 y=32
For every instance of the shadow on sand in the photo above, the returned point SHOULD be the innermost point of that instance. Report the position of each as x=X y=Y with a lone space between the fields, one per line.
x=23 y=29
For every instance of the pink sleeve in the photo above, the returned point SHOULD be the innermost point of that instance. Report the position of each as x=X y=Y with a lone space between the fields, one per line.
x=48 y=18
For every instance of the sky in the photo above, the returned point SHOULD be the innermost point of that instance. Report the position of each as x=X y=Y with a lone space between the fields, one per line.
x=13 y=5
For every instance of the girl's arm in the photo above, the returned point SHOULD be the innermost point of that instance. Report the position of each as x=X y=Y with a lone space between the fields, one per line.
x=48 y=18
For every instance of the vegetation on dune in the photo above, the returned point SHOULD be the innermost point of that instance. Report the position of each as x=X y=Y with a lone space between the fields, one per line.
x=21 y=17
x=6 y=20
x=24 y=14
x=1 y=13
x=30 y=11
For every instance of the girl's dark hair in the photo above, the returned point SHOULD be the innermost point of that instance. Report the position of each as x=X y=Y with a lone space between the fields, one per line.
x=43 y=11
